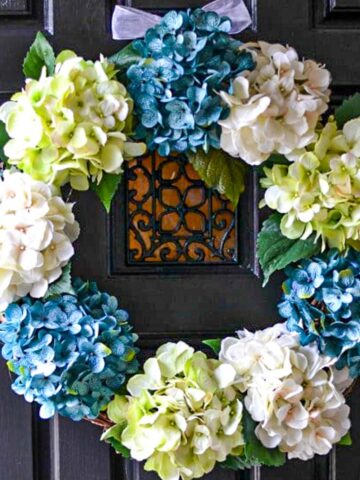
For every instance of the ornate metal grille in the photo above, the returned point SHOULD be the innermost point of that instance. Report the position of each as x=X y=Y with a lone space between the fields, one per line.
x=173 y=218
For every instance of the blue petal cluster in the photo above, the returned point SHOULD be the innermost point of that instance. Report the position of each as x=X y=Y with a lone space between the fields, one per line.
x=71 y=353
x=321 y=302
x=187 y=58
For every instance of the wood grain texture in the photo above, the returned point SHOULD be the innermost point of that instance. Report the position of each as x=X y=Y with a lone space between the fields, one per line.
x=330 y=14
x=344 y=4
x=16 y=453
x=81 y=454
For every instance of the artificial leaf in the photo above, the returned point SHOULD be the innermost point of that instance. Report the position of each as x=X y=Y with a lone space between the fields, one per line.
x=40 y=54
x=214 y=344
x=125 y=57
x=63 y=285
x=238 y=463
x=275 y=251
x=107 y=189
x=220 y=171
x=4 y=137
x=113 y=436
x=346 y=440
x=255 y=451
x=119 y=447
x=349 y=109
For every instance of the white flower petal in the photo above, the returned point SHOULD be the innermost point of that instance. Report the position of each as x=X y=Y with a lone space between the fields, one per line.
x=34 y=242
x=225 y=375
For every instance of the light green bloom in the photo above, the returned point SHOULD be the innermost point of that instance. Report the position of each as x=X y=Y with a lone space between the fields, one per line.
x=72 y=126
x=176 y=417
x=319 y=192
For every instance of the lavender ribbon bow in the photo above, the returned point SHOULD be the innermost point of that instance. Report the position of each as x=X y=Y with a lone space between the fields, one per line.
x=129 y=23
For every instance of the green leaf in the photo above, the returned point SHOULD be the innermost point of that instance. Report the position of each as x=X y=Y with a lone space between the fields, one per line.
x=275 y=251
x=238 y=463
x=63 y=285
x=4 y=137
x=348 y=110
x=40 y=54
x=255 y=451
x=107 y=189
x=346 y=440
x=119 y=447
x=220 y=171
x=113 y=436
x=214 y=344
x=126 y=57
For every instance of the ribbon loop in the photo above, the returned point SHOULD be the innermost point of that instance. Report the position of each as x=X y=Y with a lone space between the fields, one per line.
x=129 y=23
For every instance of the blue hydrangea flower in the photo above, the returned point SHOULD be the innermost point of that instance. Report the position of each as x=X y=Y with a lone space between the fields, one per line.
x=306 y=279
x=321 y=302
x=351 y=359
x=187 y=58
x=70 y=353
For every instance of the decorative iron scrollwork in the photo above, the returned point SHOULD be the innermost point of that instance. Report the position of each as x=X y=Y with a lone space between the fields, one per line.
x=173 y=218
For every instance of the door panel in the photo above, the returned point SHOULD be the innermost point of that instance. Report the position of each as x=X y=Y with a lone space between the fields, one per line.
x=172 y=290
x=16 y=432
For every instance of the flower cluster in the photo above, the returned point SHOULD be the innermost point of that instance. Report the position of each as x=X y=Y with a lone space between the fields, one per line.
x=320 y=190
x=276 y=107
x=321 y=303
x=70 y=353
x=72 y=126
x=187 y=57
x=176 y=417
x=271 y=394
x=37 y=229
x=289 y=389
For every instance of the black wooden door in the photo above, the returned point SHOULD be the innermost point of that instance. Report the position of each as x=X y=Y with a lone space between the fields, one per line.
x=211 y=288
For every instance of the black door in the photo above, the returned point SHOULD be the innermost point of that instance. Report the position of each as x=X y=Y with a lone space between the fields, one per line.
x=184 y=266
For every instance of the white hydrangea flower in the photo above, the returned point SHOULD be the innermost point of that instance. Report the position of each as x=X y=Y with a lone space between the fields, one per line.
x=265 y=352
x=276 y=107
x=291 y=391
x=37 y=229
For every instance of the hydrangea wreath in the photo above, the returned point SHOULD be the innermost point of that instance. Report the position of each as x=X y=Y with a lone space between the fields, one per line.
x=270 y=395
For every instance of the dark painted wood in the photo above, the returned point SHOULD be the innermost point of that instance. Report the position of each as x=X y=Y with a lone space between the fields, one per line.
x=165 y=303
x=16 y=456
x=11 y=7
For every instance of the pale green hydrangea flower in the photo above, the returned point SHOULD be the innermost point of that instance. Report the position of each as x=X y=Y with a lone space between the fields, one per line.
x=320 y=190
x=176 y=417
x=72 y=126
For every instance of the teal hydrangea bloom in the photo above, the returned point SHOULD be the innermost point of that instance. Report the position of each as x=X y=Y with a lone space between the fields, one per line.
x=70 y=353
x=351 y=359
x=187 y=58
x=321 y=302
